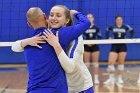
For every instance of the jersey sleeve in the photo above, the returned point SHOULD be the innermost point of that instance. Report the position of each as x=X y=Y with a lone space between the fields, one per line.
x=67 y=34
x=68 y=64
x=108 y=32
x=131 y=31
x=16 y=46
x=98 y=33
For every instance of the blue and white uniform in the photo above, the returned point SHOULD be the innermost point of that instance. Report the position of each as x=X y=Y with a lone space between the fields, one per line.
x=78 y=76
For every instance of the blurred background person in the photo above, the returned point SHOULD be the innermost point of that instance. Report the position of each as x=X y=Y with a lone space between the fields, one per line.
x=92 y=50
x=118 y=51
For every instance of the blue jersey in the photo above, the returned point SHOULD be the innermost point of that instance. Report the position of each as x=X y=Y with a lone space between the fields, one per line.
x=45 y=73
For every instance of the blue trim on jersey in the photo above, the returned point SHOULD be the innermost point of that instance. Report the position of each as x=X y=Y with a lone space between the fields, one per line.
x=90 y=90
x=73 y=49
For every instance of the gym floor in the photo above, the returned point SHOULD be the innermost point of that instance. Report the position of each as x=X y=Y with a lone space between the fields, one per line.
x=13 y=79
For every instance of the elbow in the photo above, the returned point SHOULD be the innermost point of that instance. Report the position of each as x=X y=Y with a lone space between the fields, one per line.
x=70 y=70
x=86 y=23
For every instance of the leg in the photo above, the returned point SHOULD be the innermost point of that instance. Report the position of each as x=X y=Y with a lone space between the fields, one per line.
x=95 y=58
x=121 y=61
x=138 y=81
x=87 y=58
x=112 y=58
x=87 y=53
x=111 y=69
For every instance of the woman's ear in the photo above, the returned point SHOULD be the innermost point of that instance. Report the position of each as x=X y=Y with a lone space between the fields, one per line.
x=29 y=24
x=67 y=21
x=46 y=20
x=45 y=17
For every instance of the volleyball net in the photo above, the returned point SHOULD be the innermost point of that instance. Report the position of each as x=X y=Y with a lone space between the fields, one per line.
x=104 y=41
x=7 y=56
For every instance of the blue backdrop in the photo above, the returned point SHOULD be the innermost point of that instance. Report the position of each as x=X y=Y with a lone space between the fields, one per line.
x=13 y=21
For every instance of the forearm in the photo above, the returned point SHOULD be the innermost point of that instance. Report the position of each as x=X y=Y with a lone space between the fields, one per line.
x=72 y=32
x=107 y=35
x=58 y=49
x=19 y=45
x=24 y=43
x=132 y=34
x=99 y=35
x=83 y=24
x=82 y=19
x=67 y=64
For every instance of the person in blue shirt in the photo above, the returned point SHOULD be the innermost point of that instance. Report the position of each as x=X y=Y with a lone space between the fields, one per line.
x=45 y=73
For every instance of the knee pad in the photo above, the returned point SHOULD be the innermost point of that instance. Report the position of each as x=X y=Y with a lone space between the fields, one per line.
x=111 y=68
x=121 y=67
x=96 y=64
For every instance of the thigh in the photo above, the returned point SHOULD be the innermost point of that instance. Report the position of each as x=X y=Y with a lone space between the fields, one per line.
x=95 y=56
x=121 y=57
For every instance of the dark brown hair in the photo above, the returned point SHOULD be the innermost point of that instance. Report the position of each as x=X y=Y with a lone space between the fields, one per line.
x=118 y=15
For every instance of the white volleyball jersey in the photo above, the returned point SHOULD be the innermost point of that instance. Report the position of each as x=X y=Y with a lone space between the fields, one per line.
x=80 y=79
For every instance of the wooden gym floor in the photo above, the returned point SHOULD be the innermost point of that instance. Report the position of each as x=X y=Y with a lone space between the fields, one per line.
x=13 y=79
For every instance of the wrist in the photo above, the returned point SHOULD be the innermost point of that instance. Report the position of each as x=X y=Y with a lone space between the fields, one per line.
x=24 y=43
x=57 y=45
x=58 y=49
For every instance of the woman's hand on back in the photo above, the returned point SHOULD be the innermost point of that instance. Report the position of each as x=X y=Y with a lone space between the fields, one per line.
x=51 y=38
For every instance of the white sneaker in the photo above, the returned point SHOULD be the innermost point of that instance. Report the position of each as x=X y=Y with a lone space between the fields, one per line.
x=109 y=82
x=96 y=81
x=119 y=80
x=138 y=82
